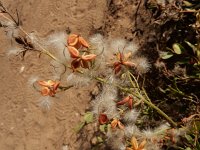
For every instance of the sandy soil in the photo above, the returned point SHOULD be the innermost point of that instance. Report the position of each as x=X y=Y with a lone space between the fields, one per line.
x=23 y=124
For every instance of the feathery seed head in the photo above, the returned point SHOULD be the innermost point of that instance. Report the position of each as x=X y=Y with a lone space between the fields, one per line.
x=131 y=47
x=115 y=139
x=78 y=80
x=57 y=40
x=32 y=80
x=46 y=102
x=142 y=65
x=118 y=44
x=131 y=116
x=132 y=130
x=14 y=51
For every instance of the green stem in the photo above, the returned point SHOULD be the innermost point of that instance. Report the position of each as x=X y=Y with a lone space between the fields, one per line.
x=131 y=75
x=64 y=88
x=118 y=86
x=160 y=112
x=176 y=91
x=42 y=48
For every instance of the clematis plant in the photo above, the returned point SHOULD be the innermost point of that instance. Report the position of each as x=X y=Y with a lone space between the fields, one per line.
x=49 y=88
x=122 y=61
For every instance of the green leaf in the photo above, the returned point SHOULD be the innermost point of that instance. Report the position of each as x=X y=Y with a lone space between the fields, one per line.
x=166 y=55
x=99 y=139
x=88 y=117
x=188 y=148
x=197 y=125
x=198 y=145
x=177 y=48
x=162 y=90
x=79 y=126
x=102 y=128
x=189 y=138
x=195 y=50
x=188 y=4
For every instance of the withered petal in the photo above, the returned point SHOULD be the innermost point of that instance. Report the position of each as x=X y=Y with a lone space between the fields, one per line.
x=84 y=64
x=83 y=42
x=103 y=119
x=130 y=103
x=120 y=125
x=127 y=55
x=119 y=56
x=134 y=143
x=78 y=45
x=122 y=102
x=50 y=82
x=117 y=68
x=141 y=146
x=116 y=64
x=129 y=64
x=56 y=85
x=114 y=123
x=72 y=40
x=42 y=83
x=45 y=91
x=88 y=57
x=74 y=53
x=75 y=64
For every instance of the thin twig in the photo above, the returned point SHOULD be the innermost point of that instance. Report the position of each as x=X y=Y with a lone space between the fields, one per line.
x=13 y=19
x=189 y=11
x=136 y=13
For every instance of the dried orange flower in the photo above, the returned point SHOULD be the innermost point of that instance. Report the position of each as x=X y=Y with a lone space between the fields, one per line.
x=116 y=123
x=128 y=100
x=49 y=87
x=80 y=60
x=103 y=119
x=135 y=145
x=77 y=41
x=122 y=61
